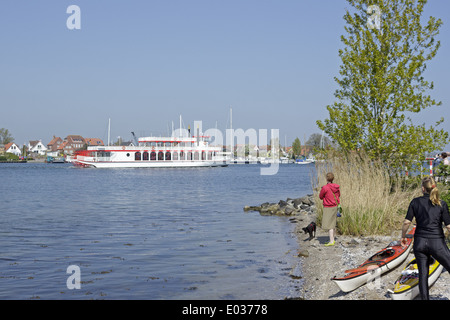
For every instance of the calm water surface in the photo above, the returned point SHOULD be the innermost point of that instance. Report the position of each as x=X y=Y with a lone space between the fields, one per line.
x=146 y=234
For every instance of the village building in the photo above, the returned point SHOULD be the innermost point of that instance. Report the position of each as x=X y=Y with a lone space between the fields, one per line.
x=71 y=143
x=94 y=142
x=54 y=144
x=36 y=146
x=52 y=147
x=13 y=148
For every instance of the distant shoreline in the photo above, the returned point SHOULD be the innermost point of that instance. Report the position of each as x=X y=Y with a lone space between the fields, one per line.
x=34 y=160
x=13 y=161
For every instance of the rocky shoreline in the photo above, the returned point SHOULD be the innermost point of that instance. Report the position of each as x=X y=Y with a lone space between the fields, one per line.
x=318 y=264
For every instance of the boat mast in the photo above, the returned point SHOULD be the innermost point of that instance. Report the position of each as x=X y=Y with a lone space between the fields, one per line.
x=231 y=132
x=109 y=131
x=285 y=144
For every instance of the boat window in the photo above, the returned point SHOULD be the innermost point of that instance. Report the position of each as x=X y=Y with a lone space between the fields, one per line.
x=137 y=156
x=168 y=155
x=153 y=155
x=203 y=155
x=145 y=155
x=209 y=155
x=103 y=154
x=196 y=156
x=175 y=155
x=189 y=156
x=182 y=155
x=160 y=155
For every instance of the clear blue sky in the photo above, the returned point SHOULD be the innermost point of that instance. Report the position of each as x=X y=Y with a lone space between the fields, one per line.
x=143 y=63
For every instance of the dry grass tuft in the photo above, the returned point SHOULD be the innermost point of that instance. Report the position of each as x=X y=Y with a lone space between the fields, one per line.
x=373 y=200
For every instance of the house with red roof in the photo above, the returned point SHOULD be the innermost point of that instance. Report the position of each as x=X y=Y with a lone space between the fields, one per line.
x=94 y=142
x=52 y=146
x=13 y=148
x=71 y=143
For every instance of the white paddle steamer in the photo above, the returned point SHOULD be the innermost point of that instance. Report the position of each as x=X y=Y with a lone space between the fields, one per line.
x=153 y=152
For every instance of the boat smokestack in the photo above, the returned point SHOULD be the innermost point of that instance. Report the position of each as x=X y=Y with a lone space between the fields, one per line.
x=198 y=136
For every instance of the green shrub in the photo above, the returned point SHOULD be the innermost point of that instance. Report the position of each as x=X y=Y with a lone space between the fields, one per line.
x=446 y=196
x=11 y=156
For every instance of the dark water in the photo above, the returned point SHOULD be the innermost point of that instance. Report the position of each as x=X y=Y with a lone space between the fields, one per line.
x=146 y=234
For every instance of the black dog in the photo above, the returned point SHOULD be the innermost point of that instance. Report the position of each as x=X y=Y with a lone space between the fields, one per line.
x=311 y=229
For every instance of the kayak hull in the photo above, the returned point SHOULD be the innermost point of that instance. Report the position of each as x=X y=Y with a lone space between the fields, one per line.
x=407 y=285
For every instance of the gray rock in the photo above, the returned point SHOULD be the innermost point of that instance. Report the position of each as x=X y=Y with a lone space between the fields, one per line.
x=289 y=210
x=289 y=207
x=297 y=202
x=252 y=208
x=306 y=200
x=303 y=253
x=282 y=203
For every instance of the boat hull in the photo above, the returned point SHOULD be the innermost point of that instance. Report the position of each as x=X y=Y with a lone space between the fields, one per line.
x=303 y=162
x=142 y=164
x=407 y=287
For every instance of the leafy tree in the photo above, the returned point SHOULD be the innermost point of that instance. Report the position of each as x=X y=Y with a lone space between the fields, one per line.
x=296 y=147
x=315 y=140
x=5 y=136
x=442 y=172
x=381 y=81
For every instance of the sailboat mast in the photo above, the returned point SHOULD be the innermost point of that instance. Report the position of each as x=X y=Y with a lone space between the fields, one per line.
x=231 y=132
x=109 y=131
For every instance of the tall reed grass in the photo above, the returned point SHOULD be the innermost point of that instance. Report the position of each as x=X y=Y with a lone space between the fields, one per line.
x=374 y=200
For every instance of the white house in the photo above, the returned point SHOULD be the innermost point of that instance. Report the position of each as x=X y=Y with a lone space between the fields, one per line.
x=38 y=147
x=13 y=148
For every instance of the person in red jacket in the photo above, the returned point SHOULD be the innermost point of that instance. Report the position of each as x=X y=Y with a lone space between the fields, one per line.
x=330 y=194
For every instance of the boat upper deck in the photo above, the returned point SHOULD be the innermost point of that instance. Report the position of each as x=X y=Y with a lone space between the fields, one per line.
x=163 y=143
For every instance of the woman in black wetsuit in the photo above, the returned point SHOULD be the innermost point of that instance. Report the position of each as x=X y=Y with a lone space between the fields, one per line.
x=429 y=240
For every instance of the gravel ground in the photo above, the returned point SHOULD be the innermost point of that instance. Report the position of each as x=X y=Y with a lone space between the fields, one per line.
x=319 y=264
